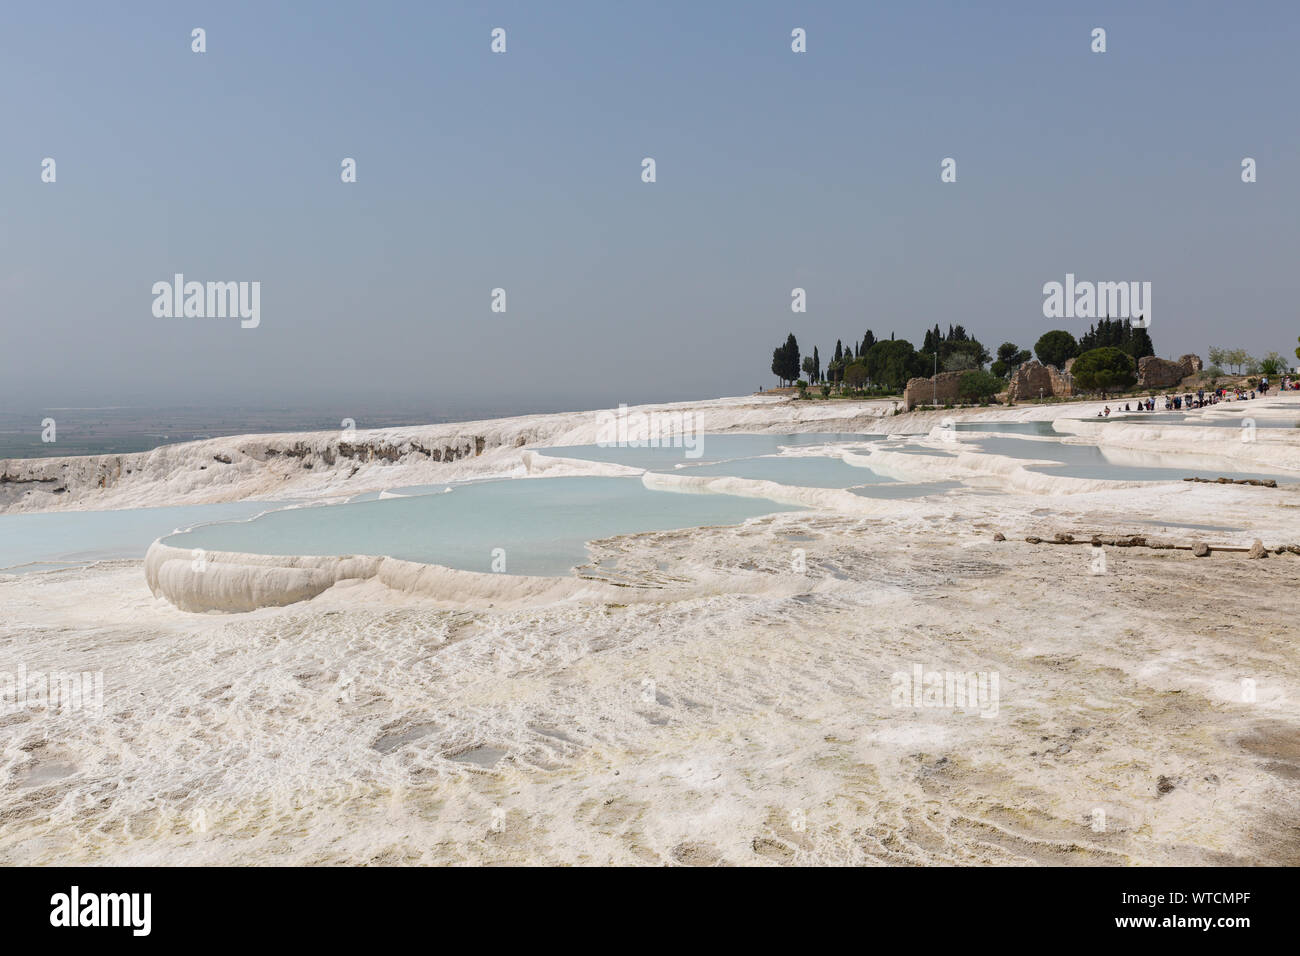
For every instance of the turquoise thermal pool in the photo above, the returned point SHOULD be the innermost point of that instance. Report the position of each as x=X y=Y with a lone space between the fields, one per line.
x=537 y=526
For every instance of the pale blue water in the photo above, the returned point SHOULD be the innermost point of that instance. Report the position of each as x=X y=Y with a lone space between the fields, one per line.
x=1216 y=420
x=1119 y=473
x=819 y=472
x=1027 y=428
x=33 y=542
x=542 y=524
x=1223 y=415
x=930 y=452
x=434 y=489
x=901 y=489
x=1157 y=418
x=1089 y=461
x=710 y=448
x=1047 y=450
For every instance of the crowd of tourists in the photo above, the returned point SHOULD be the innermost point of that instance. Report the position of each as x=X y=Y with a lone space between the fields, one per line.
x=1202 y=398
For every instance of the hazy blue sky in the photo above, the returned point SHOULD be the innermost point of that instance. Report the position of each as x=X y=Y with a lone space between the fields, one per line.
x=522 y=171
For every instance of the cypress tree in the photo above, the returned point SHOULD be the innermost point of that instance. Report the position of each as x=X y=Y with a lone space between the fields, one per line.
x=785 y=360
x=792 y=357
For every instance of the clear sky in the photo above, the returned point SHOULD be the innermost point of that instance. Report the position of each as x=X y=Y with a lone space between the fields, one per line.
x=523 y=171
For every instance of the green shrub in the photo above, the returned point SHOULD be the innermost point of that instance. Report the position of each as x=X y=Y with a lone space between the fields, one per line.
x=1106 y=369
x=978 y=386
x=1272 y=365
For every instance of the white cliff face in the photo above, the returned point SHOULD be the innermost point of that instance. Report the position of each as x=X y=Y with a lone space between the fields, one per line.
x=232 y=582
x=334 y=464
x=1268 y=449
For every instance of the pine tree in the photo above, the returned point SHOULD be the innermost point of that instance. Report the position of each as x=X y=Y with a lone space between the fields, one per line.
x=785 y=360
x=1142 y=344
x=1088 y=341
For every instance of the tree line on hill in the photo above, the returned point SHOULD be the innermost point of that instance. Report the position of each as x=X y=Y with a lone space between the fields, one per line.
x=1273 y=363
x=886 y=365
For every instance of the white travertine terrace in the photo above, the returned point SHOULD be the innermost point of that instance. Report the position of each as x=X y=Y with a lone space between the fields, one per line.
x=235 y=582
x=675 y=699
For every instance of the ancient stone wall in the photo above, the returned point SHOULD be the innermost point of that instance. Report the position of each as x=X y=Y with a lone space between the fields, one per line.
x=1062 y=381
x=1156 y=372
x=1028 y=382
x=929 y=391
x=1033 y=378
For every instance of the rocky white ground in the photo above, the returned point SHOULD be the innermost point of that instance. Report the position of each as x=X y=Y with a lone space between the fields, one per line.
x=1146 y=714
